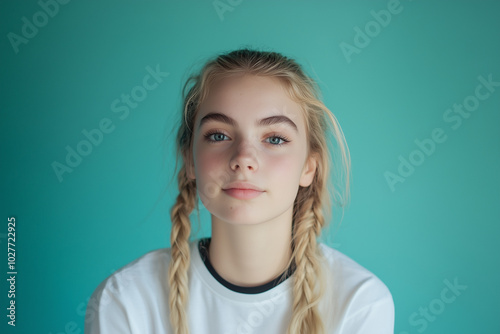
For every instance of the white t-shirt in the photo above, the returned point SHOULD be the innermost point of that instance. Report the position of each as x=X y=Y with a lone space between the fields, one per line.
x=134 y=299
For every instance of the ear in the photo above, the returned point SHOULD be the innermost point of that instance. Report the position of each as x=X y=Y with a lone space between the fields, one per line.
x=308 y=171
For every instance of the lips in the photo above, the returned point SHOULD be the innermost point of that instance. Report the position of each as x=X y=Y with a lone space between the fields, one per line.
x=242 y=186
x=243 y=193
x=243 y=190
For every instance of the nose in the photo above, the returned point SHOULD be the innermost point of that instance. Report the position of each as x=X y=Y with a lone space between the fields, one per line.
x=244 y=158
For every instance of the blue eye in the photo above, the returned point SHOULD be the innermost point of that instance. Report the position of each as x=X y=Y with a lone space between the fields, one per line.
x=276 y=140
x=216 y=135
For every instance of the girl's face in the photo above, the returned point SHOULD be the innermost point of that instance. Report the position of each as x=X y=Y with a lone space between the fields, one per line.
x=249 y=130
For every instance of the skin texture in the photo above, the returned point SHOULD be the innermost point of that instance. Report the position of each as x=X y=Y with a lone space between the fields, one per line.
x=251 y=238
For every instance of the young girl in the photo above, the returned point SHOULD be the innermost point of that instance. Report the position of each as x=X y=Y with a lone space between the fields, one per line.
x=255 y=149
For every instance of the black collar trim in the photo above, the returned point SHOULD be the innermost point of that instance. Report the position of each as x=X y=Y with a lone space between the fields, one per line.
x=203 y=249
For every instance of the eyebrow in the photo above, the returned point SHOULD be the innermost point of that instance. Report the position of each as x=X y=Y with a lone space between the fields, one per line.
x=277 y=119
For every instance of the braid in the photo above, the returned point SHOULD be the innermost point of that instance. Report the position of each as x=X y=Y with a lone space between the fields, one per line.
x=180 y=257
x=308 y=220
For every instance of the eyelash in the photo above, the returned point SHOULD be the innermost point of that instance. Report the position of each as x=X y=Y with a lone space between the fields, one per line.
x=207 y=137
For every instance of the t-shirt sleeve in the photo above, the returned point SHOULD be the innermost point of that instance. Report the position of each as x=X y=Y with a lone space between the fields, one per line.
x=106 y=313
x=374 y=318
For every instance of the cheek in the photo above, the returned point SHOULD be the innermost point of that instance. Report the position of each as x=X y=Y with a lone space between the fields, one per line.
x=210 y=169
x=284 y=168
x=204 y=163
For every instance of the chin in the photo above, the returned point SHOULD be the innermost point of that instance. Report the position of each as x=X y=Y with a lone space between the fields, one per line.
x=237 y=216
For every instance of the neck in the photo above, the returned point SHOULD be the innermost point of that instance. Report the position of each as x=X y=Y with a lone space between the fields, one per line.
x=251 y=254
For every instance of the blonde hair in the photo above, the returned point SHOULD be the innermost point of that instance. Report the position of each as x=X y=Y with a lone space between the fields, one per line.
x=311 y=206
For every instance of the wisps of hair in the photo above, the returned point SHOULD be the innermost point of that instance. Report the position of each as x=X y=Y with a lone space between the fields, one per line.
x=312 y=204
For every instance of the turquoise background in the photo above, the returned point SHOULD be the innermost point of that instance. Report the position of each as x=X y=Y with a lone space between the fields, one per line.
x=441 y=223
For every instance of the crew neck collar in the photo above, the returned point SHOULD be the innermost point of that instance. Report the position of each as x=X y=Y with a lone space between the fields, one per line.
x=205 y=270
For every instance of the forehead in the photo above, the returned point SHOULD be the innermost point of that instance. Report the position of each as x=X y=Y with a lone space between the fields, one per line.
x=249 y=98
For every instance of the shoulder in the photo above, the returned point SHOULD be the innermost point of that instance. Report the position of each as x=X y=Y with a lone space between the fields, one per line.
x=352 y=276
x=359 y=295
x=133 y=287
x=145 y=268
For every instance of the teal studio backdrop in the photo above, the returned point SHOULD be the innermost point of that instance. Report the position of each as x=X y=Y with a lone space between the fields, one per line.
x=415 y=86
